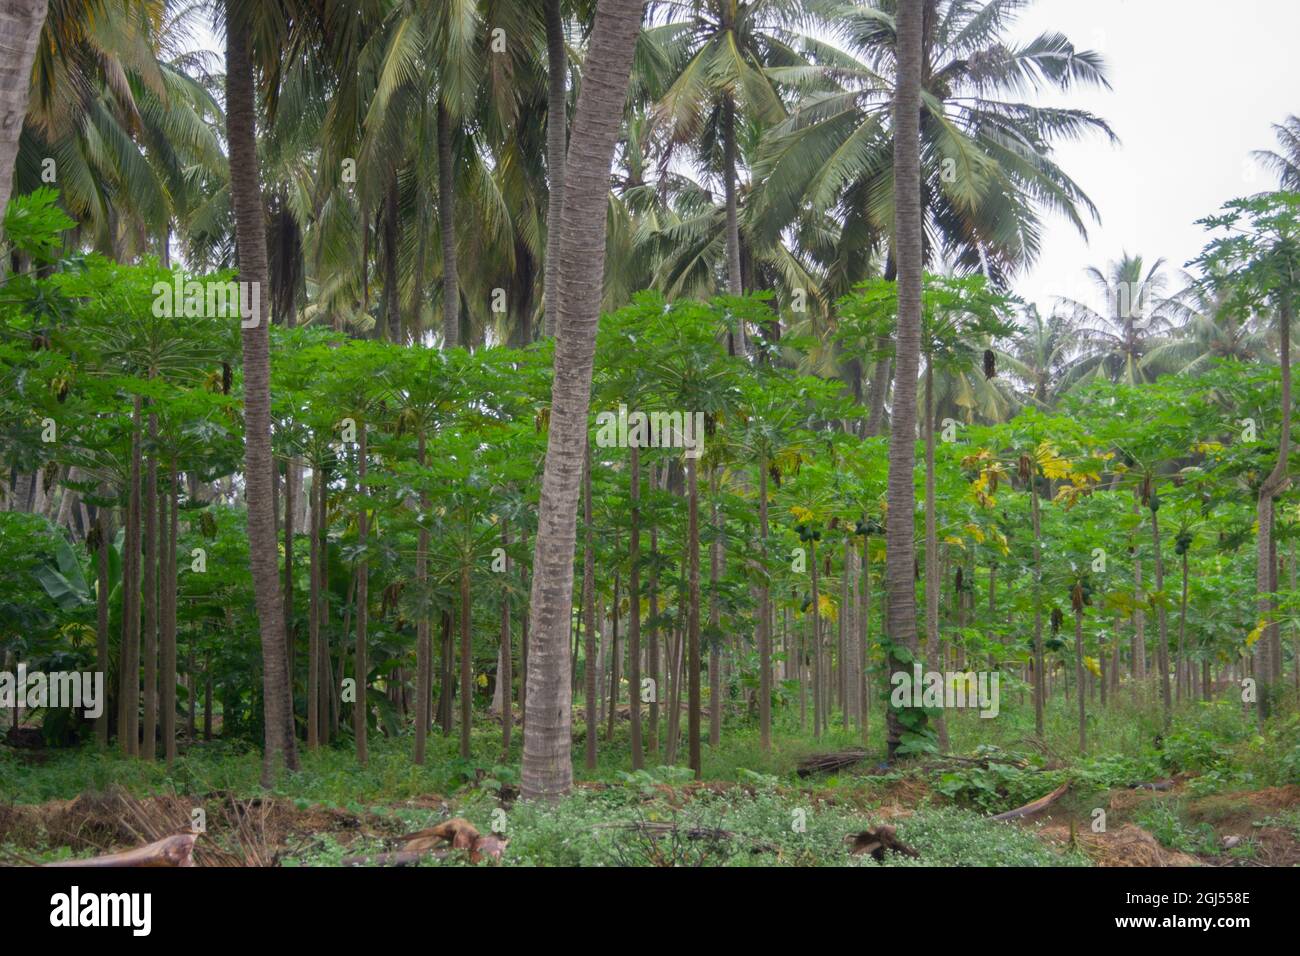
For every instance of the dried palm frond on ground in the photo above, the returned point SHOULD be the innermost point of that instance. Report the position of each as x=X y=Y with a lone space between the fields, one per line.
x=829 y=762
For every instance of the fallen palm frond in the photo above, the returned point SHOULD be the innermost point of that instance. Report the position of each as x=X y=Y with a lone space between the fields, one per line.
x=877 y=841
x=830 y=762
x=1035 y=806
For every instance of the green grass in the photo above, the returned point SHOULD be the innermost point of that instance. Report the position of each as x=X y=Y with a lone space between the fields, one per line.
x=775 y=816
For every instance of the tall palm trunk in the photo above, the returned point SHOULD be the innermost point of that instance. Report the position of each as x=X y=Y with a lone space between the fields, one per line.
x=634 y=605
x=715 y=611
x=20 y=31
x=693 y=618
x=734 y=281
x=423 y=637
x=1162 y=648
x=934 y=652
x=128 y=725
x=504 y=677
x=104 y=531
x=149 y=733
x=652 y=738
x=590 y=670
x=547 y=770
x=466 y=664
x=447 y=227
x=314 y=616
x=557 y=144
x=764 y=619
x=1274 y=484
x=900 y=557
x=168 y=596
x=250 y=233
x=1040 y=680
x=360 y=658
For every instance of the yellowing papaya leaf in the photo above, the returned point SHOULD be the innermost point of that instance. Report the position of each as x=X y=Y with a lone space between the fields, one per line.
x=1094 y=667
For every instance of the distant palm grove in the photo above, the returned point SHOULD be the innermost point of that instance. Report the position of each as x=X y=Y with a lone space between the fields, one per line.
x=575 y=389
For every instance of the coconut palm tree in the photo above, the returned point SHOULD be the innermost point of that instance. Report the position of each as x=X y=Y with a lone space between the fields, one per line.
x=988 y=173
x=719 y=53
x=1137 y=316
x=909 y=253
x=547 y=770
x=1286 y=161
x=1040 y=356
x=245 y=189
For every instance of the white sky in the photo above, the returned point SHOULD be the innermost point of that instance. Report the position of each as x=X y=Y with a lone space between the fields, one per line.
x=1195 y=87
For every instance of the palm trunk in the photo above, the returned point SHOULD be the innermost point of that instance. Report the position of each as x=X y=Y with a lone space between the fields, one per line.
x=466 y=665
x=314 y=616
x=149 y=733
x=1273 y=485
x=547 y=771
x=933 y=651
x=901 y=553
x=590 y=668
x=734 y=280
x=1040 y=679
x=715 y=572
x=557 y=136
x=360 y=657
x=104 y=531
x=1183 y=676
x=21 y=22
x=250 y=232
x=447 y=227
x=658 y=684
x=634 y=605
x=168 y=676
x=1162 y=648
x=764 y=619
x=128 y=726
x=1078 y=678
x=504 y=676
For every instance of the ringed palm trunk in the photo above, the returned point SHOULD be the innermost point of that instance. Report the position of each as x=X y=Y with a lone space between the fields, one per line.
x=764 y=620
x=1078 y=672
x=129 y=653
x=423 y=637
x=932 y=648
x=693 y=618
x=504 y=676
x=547 y=770
x=168 y=595
x=314 y=617
x=1040 y=680
x=20 y=31
x=1273 y=485
x=634 y=605
x=149 y=732
x=901 y=496
x=466 y=663
x=734 y=281
x=104 y=531
x=590 y=670
x=557 y=137
x=715 y=662
x=360 y=660
x=1162 y=648
x=250 y=232
x=447 y=227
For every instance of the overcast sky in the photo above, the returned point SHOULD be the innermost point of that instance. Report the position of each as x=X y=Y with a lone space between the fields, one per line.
x=1195 y=87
